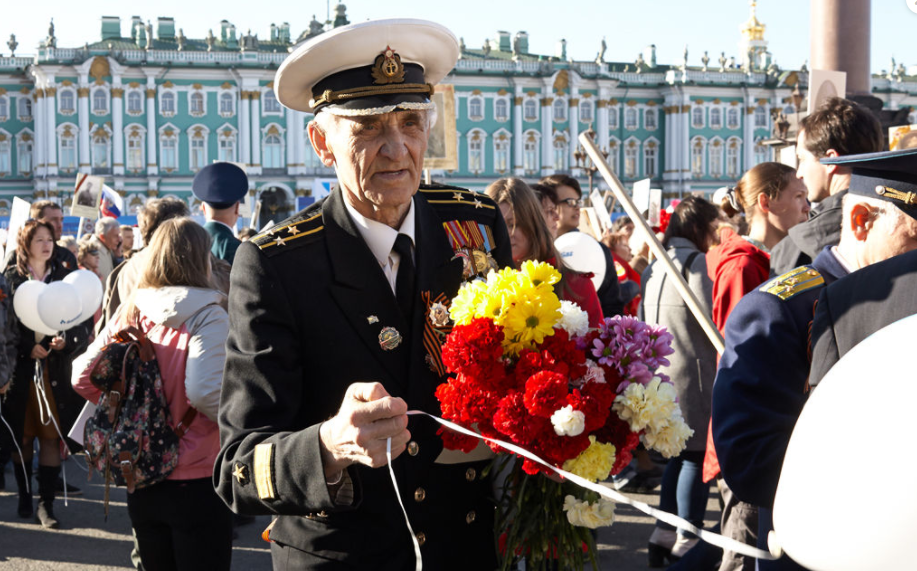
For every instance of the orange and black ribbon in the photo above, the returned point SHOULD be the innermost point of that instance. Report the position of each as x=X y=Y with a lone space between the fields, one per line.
x=432 y=335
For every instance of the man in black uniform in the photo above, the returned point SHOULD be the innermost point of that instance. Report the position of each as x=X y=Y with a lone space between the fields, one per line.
x=331 y=342
x=221 y=187
x=869 y=299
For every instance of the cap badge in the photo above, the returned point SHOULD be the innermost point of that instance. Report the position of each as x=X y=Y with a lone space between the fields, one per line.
x=388 y=68
x=389 y=338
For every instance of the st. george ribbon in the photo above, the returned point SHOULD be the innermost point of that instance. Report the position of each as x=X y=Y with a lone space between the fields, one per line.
x=725 y=543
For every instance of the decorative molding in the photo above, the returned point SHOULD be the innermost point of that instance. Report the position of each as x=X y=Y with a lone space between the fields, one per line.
x=476 y=92
x=256 y=95
x=652 y=103
x=168 y=85
x=150 y=93
x=517 y=100
x=133 y=85
x=574 y=102
x=685 y=108
x=613 y=101
x=631 y=103
x=717 y=101
x=545 y=101
x=82 y=92
x=503 y=92
x=39 y=93
x=117 y=92
x=197 y=86
x=601 y=104
x=66 y=83
x=99 y=68
x=750 y=110
x=226 y=85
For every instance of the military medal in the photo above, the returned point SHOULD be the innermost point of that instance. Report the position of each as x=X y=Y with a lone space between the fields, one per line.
x=439 y=315
x=372 y=320
x=389 y=338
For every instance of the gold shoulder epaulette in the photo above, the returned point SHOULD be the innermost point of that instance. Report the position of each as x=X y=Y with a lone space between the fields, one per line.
x=284 y=233
x=794 y=282
x=457 y=196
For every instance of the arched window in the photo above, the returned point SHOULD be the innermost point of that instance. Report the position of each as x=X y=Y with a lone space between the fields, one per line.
x=168 y=148
x=733 y=158
x=269 y=102
x=630 y=119
x=530 y=110
x=716 y=118
x=530 y=153
x=134 y=102
x=630 y=159
x=560 y=110
x=649 y=119
x=25 y=109
x=66 y=156
x=501 y=109
x=226 y=103
x=501 y=153
x=100 y=147
x=585 y=111
x=614 y=155
x=613 y=118
x=476 y=152
x=66 y=101
x=761 y=153
x=24 y=153
x=167 y=104
x=198 y=152
x=227 y=145
x=760 y=117
x=697 y=158
x=697 y=117
x=134 y=141
x=476 y=108
x=272 y=149
x=716 y=158
x=99 y=102
x=732 y=118
x=197 y=103
x=650 y=156
x=560 y=153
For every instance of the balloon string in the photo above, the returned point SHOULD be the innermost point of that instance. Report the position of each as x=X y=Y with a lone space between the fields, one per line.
x=723 y=542
x=28 y=484
x=418 y=559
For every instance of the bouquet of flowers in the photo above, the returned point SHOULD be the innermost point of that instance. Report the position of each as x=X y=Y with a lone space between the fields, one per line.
x=526 y=369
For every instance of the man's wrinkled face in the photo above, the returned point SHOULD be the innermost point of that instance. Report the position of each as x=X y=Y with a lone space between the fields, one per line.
x=378 y=158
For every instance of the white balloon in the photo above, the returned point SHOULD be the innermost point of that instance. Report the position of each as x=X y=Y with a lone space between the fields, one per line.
x=89 y=286
x=59 y=306
x=862 y=410
x=25 y=306
x=582 y=253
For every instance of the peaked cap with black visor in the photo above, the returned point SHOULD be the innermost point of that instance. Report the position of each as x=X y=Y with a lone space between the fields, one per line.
x=369 y=68
x=889 y=175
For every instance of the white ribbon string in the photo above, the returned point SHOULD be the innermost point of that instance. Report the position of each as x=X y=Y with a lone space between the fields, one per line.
x=418 y=559
x=28 y=484
x=44 y=405
x=725 y=543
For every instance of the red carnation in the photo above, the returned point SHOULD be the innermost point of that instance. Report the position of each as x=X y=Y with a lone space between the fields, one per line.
x=545 y=392
x=456 y=441
x=475 y=350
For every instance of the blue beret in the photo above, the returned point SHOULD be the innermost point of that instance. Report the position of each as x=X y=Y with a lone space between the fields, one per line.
x=220 y=185
x=889 y=175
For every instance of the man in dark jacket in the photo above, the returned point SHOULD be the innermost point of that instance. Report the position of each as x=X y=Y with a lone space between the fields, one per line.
x=840 y=127
x=220 y=187
x=49 y=212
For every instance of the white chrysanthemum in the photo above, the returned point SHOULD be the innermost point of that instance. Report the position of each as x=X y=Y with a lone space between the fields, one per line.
x=668 y=437
x=568 y=422
x=643 y=406
x=573 y=319
x=584 y=514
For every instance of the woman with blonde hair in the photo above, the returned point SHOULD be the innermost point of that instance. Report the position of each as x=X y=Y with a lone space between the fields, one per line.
x=531 y=239
x=179 y=523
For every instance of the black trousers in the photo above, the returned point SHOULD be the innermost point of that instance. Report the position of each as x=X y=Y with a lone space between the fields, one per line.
x=181 y=525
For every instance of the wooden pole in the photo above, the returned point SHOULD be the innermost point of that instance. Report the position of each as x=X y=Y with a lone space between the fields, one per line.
x=680 y=284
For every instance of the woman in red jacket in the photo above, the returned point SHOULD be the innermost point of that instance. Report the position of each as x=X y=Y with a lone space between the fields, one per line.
x=772 y=200
x=531 y=240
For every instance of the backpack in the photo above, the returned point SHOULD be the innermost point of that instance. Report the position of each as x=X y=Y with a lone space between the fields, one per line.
x=130 y=438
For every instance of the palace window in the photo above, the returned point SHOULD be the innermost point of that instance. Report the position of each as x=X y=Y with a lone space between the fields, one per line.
x=760 y=117
x=99 y=102
x=66 y=156
x=697 y=117
x=5 y=158
x=649 y=119
x=228 y=145
x=650 y=153
x=761 y=153
x=585 y=111
x=501 y=109
x=476 y=152
x=630 y=160
x=716 y=118
x=630 y=119
x=168 y=148
x=167 y=104
x=226 y=104
x=560 y=153
x=613 y=118
x=476 y=108
x=25 y=108
x=732 y=118
x=697 y=158
x=4 y=108
x=560 y=109
x=100 y=147
x=24 y=153
x=134 y=103
x=272 y=149
x=530 y=153
x=196 y=103
x=732 y=158
x=716 y=158
x=65 y=102
x=501 y=153
x=269 y=103
x=614 y=156
x=135 y=152
x=530 y=110
x=198 y=153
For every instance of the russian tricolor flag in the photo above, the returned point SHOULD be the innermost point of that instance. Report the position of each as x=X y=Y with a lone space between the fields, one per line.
x=112 y=202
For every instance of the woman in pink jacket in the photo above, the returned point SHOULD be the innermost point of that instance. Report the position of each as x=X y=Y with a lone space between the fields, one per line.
x=179 y=523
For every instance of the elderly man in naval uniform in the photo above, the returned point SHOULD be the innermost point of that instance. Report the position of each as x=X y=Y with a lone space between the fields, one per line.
x=331 y=340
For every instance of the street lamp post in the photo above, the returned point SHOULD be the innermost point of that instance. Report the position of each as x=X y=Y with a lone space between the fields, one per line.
x=584 y=162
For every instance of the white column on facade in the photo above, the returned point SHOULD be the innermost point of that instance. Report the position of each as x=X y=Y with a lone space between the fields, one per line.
x=50 y=126
x=256 y=132
x=685 y=140
x=38 y=112
x=573 y=116
x=244 y=138
x=291 y=140
x=601 y=118
x=749 y=126
x=152 y=165
x=117 y=125
x=670 y=145
x=547 y=132
x=83 y=119
x=518 y=141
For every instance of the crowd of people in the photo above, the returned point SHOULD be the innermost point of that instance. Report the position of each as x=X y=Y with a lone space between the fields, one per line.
x=279 y=356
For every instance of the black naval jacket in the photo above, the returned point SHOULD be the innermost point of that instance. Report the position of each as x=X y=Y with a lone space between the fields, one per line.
x=307 y=303
x=860 y=304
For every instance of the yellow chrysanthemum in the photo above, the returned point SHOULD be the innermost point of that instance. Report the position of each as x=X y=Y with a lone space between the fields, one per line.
x=532 y=320
x=540 y=274
x=595 y=462
x=465 y=304
x=491 y=307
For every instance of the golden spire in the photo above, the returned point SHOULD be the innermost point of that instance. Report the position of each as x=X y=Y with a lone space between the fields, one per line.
x=753 y=30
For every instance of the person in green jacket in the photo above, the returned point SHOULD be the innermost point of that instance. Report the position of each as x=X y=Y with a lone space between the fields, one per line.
x=221 y=186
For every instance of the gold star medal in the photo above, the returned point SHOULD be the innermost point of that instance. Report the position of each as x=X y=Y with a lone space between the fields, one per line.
x=241 y=473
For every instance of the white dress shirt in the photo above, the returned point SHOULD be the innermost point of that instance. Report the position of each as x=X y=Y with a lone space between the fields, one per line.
x=381 y=238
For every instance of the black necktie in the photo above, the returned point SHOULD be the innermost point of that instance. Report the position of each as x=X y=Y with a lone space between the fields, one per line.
x=404 y=282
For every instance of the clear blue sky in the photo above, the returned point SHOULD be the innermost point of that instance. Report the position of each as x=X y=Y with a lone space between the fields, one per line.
x=627 y=25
